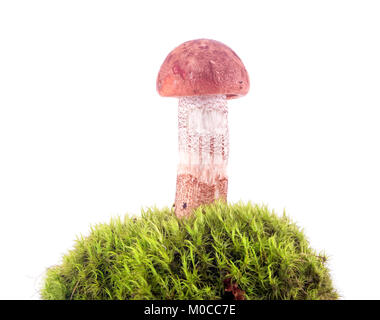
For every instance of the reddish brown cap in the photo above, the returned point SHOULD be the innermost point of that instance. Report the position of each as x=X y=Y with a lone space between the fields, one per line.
x=202 y=67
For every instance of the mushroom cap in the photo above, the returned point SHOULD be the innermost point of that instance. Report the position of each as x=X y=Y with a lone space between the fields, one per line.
x=202 y=67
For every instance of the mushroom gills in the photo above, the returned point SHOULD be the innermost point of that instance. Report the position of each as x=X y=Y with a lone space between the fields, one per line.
x=203 y=151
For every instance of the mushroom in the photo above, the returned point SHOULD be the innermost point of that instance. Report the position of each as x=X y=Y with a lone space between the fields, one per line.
x=203 y=74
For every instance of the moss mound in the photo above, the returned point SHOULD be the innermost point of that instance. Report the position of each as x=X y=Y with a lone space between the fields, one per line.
x=239 y=251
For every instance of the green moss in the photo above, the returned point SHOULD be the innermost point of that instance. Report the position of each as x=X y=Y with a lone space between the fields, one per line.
x=157 y=256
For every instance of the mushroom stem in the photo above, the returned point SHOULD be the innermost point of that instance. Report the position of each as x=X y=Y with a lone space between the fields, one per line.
x=203 y=152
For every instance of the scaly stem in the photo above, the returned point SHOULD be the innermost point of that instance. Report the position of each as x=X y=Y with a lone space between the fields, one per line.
x=203 y=152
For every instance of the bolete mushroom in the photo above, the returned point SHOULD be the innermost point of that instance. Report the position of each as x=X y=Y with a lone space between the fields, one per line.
x=203 y=74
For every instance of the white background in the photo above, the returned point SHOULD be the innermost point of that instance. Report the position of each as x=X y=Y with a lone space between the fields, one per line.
x=84 y=136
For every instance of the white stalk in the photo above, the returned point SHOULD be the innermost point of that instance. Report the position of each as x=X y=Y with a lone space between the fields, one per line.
x=203 y=151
